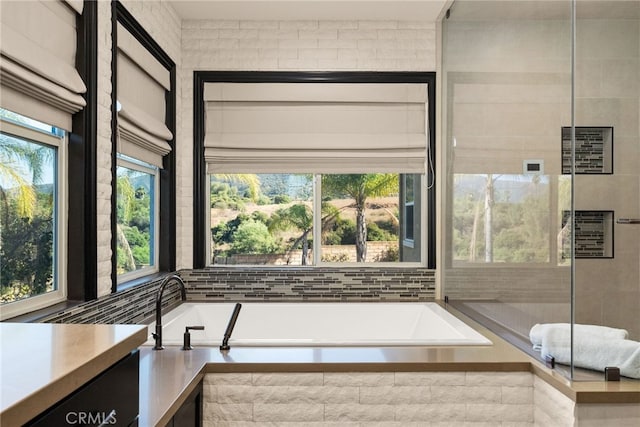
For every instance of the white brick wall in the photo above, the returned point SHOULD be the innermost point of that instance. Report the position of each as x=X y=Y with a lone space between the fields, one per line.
x=160 y=20
x=369 y=398
x=554 y=409
x=103 y=151
x=551 y=407
x=287 y=46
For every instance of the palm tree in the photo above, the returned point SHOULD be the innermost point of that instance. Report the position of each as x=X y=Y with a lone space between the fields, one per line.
x=250 y=180
x=298 y=216
x=26 y=225
x=18 y=160
x=360 y=188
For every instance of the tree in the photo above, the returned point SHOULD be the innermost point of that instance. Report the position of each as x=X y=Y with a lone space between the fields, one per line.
x=133 y=228
x=21 y=166
x=300 y=217
x=360 y=188
x=488 y=218
x=250 y=180
x=26 y=226
x=253 y=237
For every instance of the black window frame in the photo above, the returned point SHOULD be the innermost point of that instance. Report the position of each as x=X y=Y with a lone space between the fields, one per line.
x=82 y=234
x=167 y=208
x=199 y=167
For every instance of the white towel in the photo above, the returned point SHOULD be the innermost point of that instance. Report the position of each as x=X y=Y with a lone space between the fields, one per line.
x=593 y=352
x=538 y=331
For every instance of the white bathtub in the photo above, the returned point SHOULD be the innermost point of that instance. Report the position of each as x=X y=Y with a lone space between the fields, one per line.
x=319 y=324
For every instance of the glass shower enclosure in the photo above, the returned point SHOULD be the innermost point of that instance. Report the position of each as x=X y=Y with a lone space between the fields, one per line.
x=541 y=153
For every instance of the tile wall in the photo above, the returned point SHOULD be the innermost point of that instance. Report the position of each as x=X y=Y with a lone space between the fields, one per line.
x=552 y=408
x=254 y=284
x=309 y=284
x=131 y=306
x=369 y=398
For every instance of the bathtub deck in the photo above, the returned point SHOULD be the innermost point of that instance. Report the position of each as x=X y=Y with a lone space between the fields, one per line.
x=162 y=390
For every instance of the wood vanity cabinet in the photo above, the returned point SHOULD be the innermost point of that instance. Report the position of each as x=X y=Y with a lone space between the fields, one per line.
x=111 y=398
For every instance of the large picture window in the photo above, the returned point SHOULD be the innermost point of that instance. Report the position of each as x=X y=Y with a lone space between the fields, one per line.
x=32 y=213
x=349 y=139
x=305 y=219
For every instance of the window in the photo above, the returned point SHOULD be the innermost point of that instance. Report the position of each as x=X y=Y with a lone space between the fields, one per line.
x=504 y=218
x=325 y=124
x=32 y=214
x=137 y=219
x=305 y=219
x=143 y=217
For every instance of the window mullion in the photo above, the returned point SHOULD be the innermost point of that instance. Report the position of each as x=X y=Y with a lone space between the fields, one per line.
x=317 y=218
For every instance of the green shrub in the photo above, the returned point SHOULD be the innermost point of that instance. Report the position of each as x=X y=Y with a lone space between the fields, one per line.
x=281 y=199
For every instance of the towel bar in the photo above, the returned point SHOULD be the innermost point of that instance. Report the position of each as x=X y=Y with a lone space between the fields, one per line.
x=628 y=221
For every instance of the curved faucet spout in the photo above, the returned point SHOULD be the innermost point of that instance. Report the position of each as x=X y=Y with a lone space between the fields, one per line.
x=183 y=293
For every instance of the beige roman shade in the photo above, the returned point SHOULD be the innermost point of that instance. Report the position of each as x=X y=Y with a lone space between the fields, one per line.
x=315 y=127
x=142 y=85
x=37 y=63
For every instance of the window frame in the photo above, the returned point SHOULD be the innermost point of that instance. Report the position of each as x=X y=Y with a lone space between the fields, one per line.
x=166 y=191
x=60 y=214
x=406 y=240
x=200 y=185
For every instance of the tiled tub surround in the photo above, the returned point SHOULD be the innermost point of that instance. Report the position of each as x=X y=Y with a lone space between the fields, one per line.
x=552 y=408
x=368 y=398
x=309 y=284
x=136 y=304
x=130 y=306
x=455 y=386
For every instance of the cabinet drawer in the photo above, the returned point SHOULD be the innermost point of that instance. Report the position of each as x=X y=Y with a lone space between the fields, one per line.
x=111 y=398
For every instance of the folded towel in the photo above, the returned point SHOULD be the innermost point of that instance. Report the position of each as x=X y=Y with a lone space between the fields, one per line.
x=593 y=352
x=538 y=331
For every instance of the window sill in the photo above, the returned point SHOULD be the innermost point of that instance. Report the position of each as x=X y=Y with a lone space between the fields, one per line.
x=132 y=283
x=36 y=315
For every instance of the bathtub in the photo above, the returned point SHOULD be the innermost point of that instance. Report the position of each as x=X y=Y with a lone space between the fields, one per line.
x=319 y=325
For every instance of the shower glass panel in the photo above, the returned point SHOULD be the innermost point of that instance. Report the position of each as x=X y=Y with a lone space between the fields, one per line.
x=607 y=179
x=507 y=96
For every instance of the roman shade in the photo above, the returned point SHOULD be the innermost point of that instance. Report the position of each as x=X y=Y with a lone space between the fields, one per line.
x=142 y=83
x=37 y=62
x=315 y=127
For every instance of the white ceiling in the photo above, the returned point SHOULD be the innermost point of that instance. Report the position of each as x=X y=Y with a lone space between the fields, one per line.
x=491 y=10
x=401 y=10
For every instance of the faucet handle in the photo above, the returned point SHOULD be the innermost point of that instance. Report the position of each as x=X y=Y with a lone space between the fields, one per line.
x=186 y=345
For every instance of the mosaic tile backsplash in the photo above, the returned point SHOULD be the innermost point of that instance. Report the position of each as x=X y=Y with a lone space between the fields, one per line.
x=310 y=284
x=131 y=306
x=137 y=304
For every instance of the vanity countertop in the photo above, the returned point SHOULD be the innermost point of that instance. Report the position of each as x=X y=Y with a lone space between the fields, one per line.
x=41 y=363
